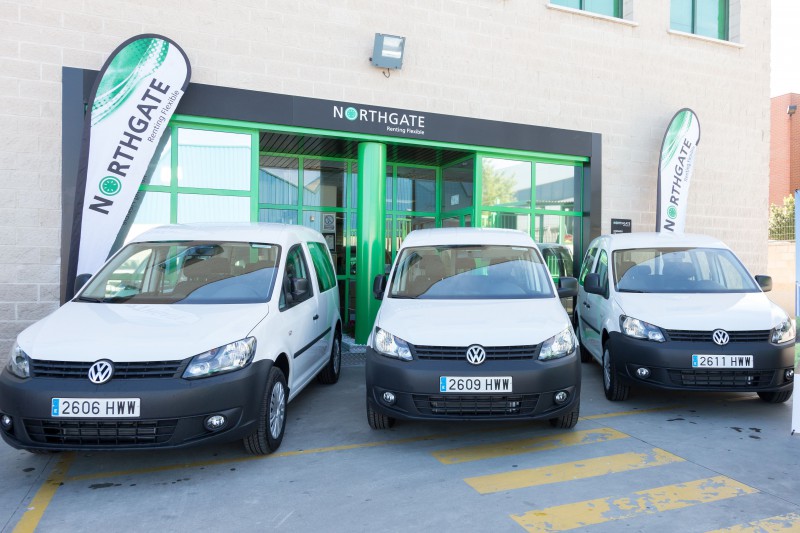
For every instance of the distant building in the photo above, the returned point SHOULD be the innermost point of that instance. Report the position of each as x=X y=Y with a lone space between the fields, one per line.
x=784 y=149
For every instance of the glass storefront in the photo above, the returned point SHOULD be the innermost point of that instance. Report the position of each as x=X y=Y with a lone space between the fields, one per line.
x=213 y=173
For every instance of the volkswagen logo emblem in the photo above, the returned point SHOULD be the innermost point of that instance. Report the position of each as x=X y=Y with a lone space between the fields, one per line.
x=476 y=354
x=101 y=372
x=720 y=337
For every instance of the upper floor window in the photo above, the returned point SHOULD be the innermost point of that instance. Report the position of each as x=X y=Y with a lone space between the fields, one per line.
x=700 y=17
x=611 y=8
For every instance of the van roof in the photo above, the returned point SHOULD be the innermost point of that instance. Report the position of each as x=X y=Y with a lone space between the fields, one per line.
x=271 y=233
x=444 y=236
x=621 y=241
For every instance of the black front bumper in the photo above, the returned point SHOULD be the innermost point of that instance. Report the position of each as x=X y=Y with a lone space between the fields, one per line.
x=172 y=414
x=415 y=385
x=670 y=365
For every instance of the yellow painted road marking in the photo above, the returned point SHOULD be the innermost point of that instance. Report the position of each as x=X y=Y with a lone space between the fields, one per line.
x=651 y=501
x=634 y=412
x=600 y=466
x=535 y=444
x=773 y=524
x=41 y=500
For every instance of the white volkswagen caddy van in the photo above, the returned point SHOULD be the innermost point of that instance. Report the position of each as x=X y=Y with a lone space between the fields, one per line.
x=471 y=328
x=681 y=312
x=188 y=334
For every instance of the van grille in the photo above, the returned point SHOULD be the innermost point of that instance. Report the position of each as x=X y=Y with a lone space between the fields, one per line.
x=101 y=433
x=495 y=353
x=126 y=370
x=722 y=378
x=476 y=405
x=705 y=336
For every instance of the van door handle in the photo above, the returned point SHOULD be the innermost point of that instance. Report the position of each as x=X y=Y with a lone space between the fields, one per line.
x=316 y=317
x=586 y=304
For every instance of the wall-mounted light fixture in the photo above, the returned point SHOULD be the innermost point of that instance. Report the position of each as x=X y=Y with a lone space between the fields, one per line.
x=791 y=110
x=388 y=51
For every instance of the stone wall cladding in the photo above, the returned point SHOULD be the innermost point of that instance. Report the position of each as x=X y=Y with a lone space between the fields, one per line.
x=514 y=61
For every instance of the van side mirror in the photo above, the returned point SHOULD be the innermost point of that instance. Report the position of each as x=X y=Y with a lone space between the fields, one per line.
x=299 y=288
x=567 y=287
x=379 y=286
x=765 y=282
x=592 y=284
x=80 y=281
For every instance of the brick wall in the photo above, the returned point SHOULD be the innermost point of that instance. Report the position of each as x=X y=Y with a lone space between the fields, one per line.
x=508 y=60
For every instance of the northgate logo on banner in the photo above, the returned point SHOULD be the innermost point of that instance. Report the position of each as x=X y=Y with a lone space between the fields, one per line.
x=675 y=171
x=135 y=95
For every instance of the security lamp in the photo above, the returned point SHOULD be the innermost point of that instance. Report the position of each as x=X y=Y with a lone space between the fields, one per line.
x=388 y=51
x=791 y=110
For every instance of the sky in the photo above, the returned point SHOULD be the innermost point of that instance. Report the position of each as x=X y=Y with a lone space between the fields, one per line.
x=785 y=61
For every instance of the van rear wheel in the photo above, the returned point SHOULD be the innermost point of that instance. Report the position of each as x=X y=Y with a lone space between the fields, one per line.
x=586 y=357
x=330 y=373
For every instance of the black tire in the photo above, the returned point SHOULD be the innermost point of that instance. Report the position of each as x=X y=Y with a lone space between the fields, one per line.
x=775 y=397
x=568 y=420
x=272 y=421
x=586 y=357
x=615 y=391
x=330 y=374
x=378 y=420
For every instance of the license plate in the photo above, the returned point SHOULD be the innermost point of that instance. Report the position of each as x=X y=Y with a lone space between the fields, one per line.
x=94 y=407
x=474 y=384
x=722 y=361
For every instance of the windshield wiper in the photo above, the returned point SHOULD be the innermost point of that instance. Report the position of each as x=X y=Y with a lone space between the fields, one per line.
x=92 y=299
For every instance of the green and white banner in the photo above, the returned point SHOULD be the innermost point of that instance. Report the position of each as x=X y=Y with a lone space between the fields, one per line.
x=134 y=97
x=675 y=171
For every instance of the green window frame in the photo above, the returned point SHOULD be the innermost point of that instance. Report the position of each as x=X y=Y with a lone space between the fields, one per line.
x=609 y=8
x=709 y=18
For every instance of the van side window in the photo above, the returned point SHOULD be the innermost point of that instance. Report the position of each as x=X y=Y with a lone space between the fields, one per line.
x=326 y=277
x=588 y=261
x=296 y=287
x=602 y=269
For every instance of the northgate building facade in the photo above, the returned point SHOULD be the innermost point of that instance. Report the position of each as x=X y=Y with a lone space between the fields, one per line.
x=543 y=117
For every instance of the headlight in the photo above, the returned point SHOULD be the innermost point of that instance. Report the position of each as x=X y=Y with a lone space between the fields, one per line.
x=19 y=364
x=391 y=346
x=558 y=346
x=226 y=358
x=783 y=332
x=639 y=329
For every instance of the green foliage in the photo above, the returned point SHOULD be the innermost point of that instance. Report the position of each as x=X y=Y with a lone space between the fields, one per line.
x=781 y=220
x=498 y=187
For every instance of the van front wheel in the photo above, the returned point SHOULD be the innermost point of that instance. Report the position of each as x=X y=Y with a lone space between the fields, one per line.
x=378 y=420
x=615 y=391
x=268 y=434
x=568 y=420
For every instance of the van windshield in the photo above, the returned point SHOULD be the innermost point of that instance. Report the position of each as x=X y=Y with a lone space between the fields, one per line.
x=186 y=273
x=470 y=272
x=691 y=270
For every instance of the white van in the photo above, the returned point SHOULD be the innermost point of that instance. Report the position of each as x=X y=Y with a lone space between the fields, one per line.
x=471 y=328
x=681 y=312
x=189 y=334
